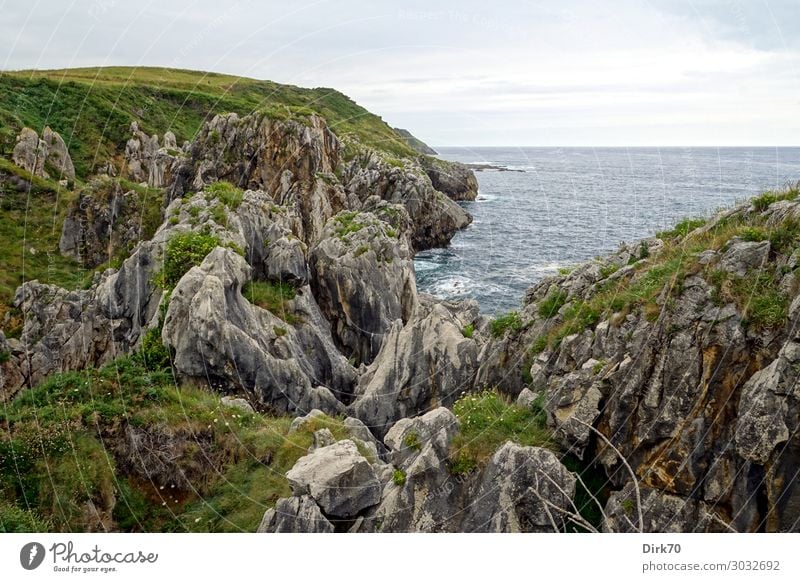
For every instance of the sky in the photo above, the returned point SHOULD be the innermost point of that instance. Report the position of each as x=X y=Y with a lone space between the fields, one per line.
x=467 y=72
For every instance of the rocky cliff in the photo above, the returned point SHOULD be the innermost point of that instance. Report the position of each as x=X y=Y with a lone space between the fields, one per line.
x=249 y=352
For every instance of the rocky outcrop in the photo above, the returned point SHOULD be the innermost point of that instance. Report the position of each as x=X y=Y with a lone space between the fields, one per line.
x=435 y=218
x=521 y=488
x=681 y=367
x=301 y=165
x=105 y=222
x=47 y=157
x=424 y=364
x=216 y=334
x=363 y=278
x=338 y=478
x=456 y=180
x=148 y=162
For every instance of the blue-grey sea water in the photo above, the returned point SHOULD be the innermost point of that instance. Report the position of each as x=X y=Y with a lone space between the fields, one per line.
x=568 y=205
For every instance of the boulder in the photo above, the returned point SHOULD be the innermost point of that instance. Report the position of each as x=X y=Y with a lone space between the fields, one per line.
x=338 y=478
x=295 y=515
x=523 y=489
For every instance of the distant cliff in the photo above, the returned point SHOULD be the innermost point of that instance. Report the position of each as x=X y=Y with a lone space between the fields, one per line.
x=415 y=142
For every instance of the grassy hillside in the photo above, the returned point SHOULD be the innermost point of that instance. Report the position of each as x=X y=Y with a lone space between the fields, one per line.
x=92 y=108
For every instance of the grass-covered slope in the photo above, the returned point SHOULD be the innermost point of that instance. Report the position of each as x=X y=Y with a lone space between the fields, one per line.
x=93 y=108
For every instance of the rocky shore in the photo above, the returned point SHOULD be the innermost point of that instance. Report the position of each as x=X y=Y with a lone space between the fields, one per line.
x=650 y=390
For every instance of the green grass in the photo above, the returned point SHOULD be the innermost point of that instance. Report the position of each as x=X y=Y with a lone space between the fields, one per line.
x=274 y=297
x=346 y=224
x=468 y=331
x=683 y=228
x=30 y=230
x=225 y=192
x=92 y=108
x=509 y=322
x=550 y=305
x=762 y=202
x=488 y=420
x=182 y=252
x=62 y=437
x=399 y=477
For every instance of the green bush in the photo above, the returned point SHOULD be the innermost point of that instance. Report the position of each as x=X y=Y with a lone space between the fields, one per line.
x=411 y=441
x=399 y=477
x=184 y=251
x=153 y=352
x=550 y=305
x=468 y=331
x=508 y=322
x=346 y=223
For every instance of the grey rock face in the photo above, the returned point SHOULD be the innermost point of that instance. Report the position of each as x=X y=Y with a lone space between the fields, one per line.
x=103 y=222
x=295 y=515
x=338 y=478
x=147 y=161
x=526 y=398
x=237 y=403
x=522 y=489
x=363 y=279
x=215 y=332
x=452 y=178
x=742 y=256
x=47 y=157
x=434 y=216
x=426 y=364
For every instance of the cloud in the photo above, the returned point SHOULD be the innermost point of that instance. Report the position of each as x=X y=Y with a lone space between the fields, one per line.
x=620 y=72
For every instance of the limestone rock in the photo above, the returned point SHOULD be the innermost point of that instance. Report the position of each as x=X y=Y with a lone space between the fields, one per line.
x=338 y=478
x=295 y=515
x=363 y=279
x=523 y=489
x=47 y=157
x=425 y=364
x=452 y=178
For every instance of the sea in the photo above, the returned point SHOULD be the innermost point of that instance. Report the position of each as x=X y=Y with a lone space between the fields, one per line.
x=544 y=209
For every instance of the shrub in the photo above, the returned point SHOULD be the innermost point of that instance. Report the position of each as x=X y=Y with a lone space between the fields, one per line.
x=153 y=352
x=279 y=331
x=608 y=270
x=468 y=331
x=4 y=356
x=487 y=421
x=552 y=303
x=508 y=322
x=761 y=203
x=184 y=251
x=346 y=223
x=399 y=477
x=411 y=441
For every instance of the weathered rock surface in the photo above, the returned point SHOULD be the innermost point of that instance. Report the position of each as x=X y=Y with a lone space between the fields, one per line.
x=425 y=364
x=47 y=157
x=148 y=162
x=104 y=222
x=452 y=178
x=522 y=489
x=295 y=515
x=694 y=395
x=338 y=478
x=363 y=279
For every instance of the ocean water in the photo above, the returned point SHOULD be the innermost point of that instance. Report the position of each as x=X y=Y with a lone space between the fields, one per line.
x=563 y=206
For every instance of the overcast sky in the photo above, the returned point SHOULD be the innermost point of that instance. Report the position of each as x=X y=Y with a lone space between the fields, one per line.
x=467 y=72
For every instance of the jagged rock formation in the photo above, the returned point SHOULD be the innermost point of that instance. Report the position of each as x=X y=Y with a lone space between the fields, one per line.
x=454 y=179
x=337 y=489
x=47 y=157
x=104 y=222
x=677 y=357
x=148 y=162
